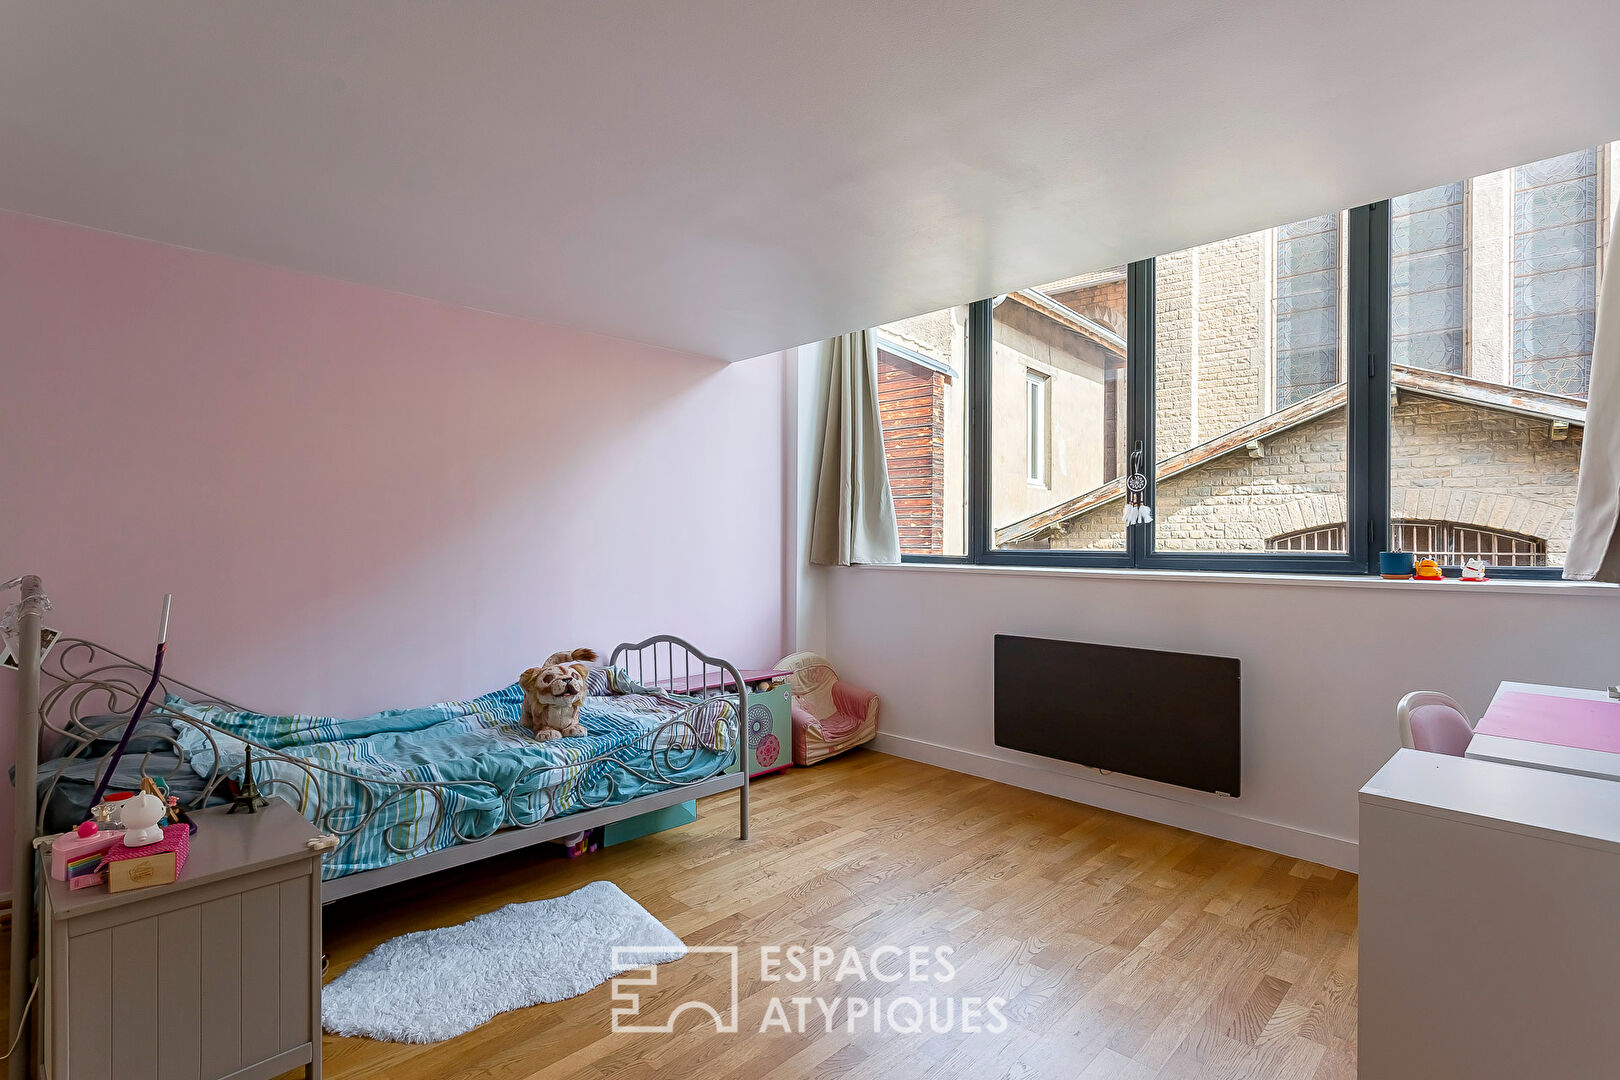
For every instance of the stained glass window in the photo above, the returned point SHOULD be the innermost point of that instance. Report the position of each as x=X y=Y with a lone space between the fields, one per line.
x=1555 y=223
x=1427 y=269
x=1307 y=308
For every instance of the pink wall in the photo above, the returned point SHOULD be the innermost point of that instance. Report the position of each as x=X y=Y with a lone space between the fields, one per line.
x=362 y=499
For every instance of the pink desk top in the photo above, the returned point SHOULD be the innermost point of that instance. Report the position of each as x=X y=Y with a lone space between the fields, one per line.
x=1561 y=721
x=714 y=679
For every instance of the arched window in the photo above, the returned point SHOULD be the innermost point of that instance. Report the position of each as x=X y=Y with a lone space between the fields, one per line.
x=1451 y=544
x=1447 y=542
x=1326 y=538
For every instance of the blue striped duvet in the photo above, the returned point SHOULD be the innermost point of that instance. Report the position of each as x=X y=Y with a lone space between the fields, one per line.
x=496 y=773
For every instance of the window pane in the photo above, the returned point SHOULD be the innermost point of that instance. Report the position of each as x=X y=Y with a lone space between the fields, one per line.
x=1426 y=279
x=922 y=404
x=1494 y=284
x=1057 y=415
x=1035 y=419
x=1249 y=393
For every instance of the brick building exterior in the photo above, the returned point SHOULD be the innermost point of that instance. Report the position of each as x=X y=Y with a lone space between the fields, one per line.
x=911 y=400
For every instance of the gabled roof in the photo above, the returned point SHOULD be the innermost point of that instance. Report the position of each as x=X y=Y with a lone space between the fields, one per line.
x=890 y=343
x=1435 y=384
x=1068 y=317
x=1511 y=399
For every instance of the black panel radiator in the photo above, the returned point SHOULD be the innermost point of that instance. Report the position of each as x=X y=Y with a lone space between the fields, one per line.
x=1171 y=717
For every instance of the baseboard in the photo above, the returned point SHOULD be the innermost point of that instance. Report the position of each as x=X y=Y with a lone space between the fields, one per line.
x=1067 y=782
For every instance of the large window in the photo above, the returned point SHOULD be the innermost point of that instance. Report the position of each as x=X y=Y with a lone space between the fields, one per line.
x=1249 y=400
x=1410 y=374
x=1057 y=427
x=1495 y=284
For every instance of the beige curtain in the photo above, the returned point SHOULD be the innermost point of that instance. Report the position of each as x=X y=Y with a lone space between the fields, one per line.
x=1594 y=550
x=854 y=513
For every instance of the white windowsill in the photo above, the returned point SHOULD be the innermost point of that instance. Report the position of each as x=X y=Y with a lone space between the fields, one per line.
x=1230 y=577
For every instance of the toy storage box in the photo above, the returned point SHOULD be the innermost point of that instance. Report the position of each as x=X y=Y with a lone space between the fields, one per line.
x=670 y=817
x=769 y=724
x=770 y=727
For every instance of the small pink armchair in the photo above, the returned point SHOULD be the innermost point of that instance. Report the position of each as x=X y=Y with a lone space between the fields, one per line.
x=829 y=715
x=1432 y=721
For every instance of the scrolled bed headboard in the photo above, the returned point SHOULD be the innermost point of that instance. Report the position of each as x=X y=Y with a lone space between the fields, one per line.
x=30 y=611
x=89 y=680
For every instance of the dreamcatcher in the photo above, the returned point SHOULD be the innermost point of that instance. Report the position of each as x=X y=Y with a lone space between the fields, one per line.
x=1137 y=510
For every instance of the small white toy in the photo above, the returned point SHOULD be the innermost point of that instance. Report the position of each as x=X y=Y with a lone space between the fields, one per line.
x=141 y=815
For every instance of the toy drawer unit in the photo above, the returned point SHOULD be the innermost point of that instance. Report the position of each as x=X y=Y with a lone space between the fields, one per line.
x=215 y=975
x=770 y=727
x=769 y=724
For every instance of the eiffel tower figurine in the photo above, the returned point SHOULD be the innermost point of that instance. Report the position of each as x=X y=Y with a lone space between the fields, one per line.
x=247 y=798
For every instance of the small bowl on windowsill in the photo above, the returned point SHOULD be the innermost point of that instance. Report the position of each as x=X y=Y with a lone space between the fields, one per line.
x=1396 y=565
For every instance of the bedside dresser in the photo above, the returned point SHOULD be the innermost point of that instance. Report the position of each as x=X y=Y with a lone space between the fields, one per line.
x=216 y=975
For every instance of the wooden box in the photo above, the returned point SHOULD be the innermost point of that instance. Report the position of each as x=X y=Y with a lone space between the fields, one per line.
x=141 y=873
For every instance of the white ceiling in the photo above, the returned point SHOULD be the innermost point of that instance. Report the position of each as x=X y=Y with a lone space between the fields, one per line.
x=730 y=178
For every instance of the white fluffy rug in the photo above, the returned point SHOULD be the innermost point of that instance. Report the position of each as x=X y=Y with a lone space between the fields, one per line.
x=437 y=984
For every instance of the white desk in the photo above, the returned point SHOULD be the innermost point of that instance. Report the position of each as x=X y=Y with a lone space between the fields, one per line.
x=1540 y=755
x=1487 y=922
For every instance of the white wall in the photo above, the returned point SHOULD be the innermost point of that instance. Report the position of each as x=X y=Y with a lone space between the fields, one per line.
x=1323 y=666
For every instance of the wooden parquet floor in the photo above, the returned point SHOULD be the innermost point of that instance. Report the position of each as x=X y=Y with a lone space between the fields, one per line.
x=1121 y=948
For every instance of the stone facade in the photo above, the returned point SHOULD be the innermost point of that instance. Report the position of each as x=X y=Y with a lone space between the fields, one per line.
x=1213 y=345
x=1452 y=463
x=1478 y=466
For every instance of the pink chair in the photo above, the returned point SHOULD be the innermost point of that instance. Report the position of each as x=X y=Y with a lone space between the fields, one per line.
x=829 y=715
x=1434 y=722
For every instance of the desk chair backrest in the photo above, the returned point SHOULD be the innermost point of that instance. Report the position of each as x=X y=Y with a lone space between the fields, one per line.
x=1432 y=721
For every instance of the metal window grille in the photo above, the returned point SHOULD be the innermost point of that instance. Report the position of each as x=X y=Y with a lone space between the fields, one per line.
x=1446 y=542
x=1330 y=538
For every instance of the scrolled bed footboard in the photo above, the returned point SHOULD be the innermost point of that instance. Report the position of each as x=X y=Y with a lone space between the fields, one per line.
x=677 y=672
x=90 y=681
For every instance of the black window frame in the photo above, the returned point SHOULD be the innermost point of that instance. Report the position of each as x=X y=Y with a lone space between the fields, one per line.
x=1367 y=375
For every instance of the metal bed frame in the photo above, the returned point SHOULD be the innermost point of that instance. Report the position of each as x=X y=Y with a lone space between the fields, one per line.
x=86 y=680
